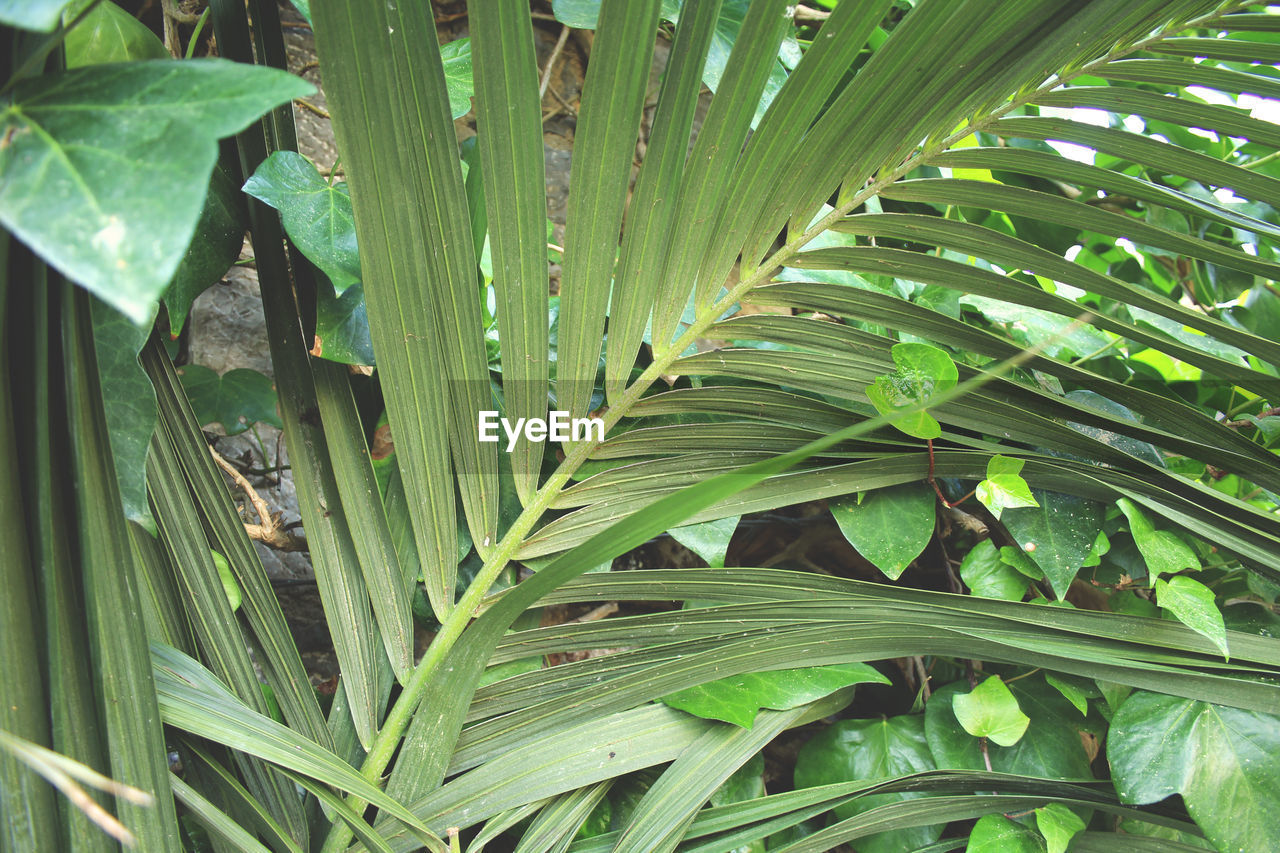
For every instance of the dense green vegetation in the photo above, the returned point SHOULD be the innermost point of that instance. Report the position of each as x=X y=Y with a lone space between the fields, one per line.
x=986 y=286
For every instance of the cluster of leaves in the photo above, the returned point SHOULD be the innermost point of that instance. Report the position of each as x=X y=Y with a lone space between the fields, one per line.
x=807 y=303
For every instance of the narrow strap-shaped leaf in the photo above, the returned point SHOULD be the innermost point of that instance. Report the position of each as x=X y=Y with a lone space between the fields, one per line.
x=216 y=628
x=1039 y=205
x=665 y=811
x=193 y=700
x=365 y=833
x=715 y=151
x=74 y=721
x=27 y=807
x=1174 y=73
x=500 y=823
x=604 y=144
x=260 y=607
x=509 y=137
x=930 y=269
x=653 y=204
x=559 y=819
x=370 y=533
x=776 y=139
x=233 y=791
x=214 y=820
x=402 y=281
x=1231 y=50
x=547 y=766
x=1009 y=251
x=1044 y=164
x=1155 y=155
x=134 y=735
x=1225 y=120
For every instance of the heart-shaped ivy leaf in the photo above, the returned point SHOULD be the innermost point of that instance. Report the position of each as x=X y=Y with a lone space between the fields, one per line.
x=104 y=169
x=991 y=711
x=1004 y=487
x=922 y=371
x=236 y=399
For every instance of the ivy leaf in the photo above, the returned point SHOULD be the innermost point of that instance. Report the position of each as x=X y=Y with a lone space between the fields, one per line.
x=889 y=526
x=316 y=214
x=1059 y=534
x=236 y=399
x=709 y=539
x=922 y=371
x=457 y=75
x=215 y=247
x=1050 y=748
x=738 y=698
x=987 y=576
x=105 y=168
x=991 y=711
x=1163 y=552
x=342 y=325
x=995 y=833
x=1058 y=824
x=108 y=33
x=1004 y=487
x=1210 y=754
x=129 y=403
x=867 y=750
x=1075 y=690
x=1192 y=603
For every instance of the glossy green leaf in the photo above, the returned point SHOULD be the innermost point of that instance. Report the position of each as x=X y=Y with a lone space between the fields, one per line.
x=995 y=833
x=868 y=750
x=991 y=711
x=739 y=698
x=1193 y=604
x=456 y=56
x=1050 y=748
x=214 y=248
x=1072 y=689
x=237 y=399
x=1164 y=552
x=922 y=371
x=987 y=575
x=108 y=33
x=1004 y=487
x=890 y=527
x=316 y=214
x=79 y=172
x=1058 y=534
x=1162 y=745
x=342 y=325
x=709 y=540
x=1058 y=824
x=129 y=403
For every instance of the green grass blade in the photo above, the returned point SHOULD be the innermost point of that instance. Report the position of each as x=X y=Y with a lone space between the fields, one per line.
x=559 y=820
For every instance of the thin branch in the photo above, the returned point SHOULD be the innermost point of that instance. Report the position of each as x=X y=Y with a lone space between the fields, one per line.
x=551 y=62
x=268 y=530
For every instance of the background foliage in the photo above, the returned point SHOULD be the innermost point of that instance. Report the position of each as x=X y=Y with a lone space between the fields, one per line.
x=990 y=285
